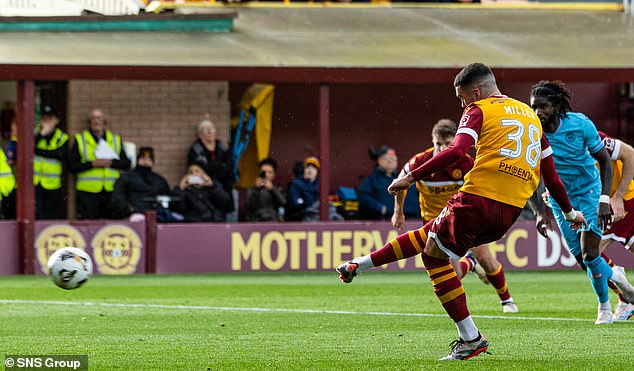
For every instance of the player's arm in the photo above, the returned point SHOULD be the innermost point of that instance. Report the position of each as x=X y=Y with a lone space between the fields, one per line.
x=543 y=219
x=605 y=167
x=556 y=188
x=535 y=202
x=626 y=156
x=456 y=150
x=398 y=217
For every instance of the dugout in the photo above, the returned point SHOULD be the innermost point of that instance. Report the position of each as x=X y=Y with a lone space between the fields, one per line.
x=344 y=78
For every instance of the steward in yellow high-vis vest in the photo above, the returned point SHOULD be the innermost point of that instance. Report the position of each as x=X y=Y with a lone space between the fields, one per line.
x=96 y=158
x=51 y=148
x=47 y=168
x=7 y=187
x=7 y=180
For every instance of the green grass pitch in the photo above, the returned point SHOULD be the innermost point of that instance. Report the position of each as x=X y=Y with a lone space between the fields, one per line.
x=307 y=321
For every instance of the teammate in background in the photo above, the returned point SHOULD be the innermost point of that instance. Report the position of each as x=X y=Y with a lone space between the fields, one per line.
x=576 y=145
x=434 y=192
x=510 y=154
x=622 y=203
x=621 y=193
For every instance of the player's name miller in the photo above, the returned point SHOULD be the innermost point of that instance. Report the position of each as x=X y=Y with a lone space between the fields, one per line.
x=515 y=110
x=515 y=171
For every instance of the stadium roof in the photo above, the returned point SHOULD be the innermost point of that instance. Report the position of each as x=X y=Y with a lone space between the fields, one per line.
x=289 y=44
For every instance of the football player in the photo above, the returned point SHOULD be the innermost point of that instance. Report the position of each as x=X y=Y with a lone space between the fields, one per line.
x=576 y=146
x=434 y=192
x=622 y=203
x=511 y=153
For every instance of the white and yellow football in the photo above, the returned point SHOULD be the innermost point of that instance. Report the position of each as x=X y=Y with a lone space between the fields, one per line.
x=69 y=267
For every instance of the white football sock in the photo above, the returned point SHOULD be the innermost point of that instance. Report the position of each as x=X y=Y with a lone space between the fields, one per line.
x=509 y=300
x=605 y=306
x=467 y=329
x=364 y=262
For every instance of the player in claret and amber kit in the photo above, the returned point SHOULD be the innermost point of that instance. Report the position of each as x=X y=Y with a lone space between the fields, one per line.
x=511 y=153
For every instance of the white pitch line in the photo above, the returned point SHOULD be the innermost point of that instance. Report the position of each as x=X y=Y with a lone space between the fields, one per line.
x=272 y=310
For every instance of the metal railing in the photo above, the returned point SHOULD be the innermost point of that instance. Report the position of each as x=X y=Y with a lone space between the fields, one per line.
x=67 y=7
x=110 y=7
x=35 y=8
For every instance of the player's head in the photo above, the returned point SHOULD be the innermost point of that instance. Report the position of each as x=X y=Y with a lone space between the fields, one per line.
x=443 y=133
x=550 y=100
x=476 y=81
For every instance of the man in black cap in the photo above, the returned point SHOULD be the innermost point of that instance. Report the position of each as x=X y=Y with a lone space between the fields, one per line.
x=136 y=191
x=51 y=148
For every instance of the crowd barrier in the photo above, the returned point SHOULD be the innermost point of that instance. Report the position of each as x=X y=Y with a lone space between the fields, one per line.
x=120 y=248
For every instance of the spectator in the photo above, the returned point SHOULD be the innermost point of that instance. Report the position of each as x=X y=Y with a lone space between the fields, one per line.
x=137 y=191
x=51 y=148
x=199 y=198
x=264 y=199
x=7 y=188
x=303 y=193
x=12 y=144
x=213 y=156
x=96 y=158
x=375 y=202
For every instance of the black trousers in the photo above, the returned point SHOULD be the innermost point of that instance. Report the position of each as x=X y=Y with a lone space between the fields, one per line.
x=48 y=203
x=93 y=205
x=8 y=207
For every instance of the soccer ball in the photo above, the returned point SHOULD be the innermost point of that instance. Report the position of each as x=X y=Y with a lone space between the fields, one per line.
x=69 y=267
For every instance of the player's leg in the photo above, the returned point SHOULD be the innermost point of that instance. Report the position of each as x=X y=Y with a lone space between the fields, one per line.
x=614 y=268
x=621 y=231
x=467 y=264
x=404 y=246
x=623 y=310
x=597 y=271
x=461 y=267
x=467 y=220
x=450 y=292
x=607 y=259
x=495 y=275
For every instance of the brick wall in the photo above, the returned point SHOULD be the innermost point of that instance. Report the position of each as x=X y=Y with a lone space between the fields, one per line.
x=164 y=115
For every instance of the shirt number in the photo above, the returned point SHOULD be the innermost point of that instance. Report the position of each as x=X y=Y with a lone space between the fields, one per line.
x=533 y=149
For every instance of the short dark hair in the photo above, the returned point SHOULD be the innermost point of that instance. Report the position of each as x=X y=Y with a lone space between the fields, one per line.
x=445 y=128
x=269 y=161
x=146 y=152
x=557 y=94
x=471 y=74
